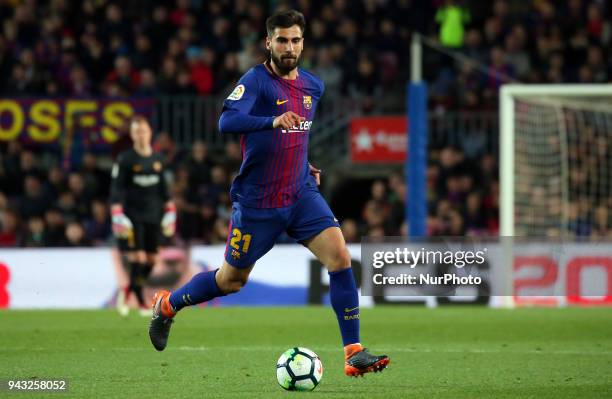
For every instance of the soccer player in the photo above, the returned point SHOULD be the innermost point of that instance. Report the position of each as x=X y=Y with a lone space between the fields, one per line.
x=276 y=190
x=140 y=207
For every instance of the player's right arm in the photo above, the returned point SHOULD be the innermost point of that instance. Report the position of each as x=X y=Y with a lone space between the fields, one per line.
x=121 y=223
x=236 y=117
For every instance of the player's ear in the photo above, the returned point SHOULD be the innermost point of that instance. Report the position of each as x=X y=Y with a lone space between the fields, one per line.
x=268 y=42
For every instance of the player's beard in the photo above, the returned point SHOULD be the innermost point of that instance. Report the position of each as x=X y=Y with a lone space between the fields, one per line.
x=284 y=63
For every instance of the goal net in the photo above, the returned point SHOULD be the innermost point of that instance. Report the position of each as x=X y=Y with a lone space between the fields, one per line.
x=556 y=161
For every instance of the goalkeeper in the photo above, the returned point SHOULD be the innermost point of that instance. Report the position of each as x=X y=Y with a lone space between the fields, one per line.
x=140 y=207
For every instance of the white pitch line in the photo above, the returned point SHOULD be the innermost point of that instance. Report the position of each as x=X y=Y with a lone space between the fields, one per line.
x=382 y=349
x=329 y=349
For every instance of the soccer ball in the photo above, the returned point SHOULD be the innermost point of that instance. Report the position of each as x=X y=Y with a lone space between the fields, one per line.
x=299 y=369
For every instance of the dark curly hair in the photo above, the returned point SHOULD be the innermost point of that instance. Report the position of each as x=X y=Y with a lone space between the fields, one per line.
x=285 y=19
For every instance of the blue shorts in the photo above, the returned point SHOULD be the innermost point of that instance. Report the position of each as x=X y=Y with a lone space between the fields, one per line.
x=253 y=231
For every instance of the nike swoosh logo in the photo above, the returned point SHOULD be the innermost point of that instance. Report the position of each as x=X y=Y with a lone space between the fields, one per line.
x=279 y=102
x=346 y=310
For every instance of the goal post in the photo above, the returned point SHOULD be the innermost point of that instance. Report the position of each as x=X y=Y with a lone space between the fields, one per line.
x=540 y=124
x=555 y=170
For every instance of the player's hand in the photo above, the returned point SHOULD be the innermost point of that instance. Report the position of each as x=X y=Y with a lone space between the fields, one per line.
x=122 y=225
x=168 y=222
x=287 y=120
x=316 y=173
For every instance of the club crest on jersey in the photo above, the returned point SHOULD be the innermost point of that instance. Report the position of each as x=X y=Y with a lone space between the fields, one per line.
x=307 y=102
x=157 y=166
x=237 y=93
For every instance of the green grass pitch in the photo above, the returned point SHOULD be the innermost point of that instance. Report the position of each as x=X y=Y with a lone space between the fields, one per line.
x=231 y=352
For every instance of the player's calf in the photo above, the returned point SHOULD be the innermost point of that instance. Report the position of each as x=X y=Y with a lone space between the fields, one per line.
x=201 y=288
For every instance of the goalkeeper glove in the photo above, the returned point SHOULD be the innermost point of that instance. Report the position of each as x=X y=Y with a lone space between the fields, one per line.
x=168 y=222
x=122 y=225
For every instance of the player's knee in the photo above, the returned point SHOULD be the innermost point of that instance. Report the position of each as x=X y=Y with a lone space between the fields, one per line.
x=340 y=260
x=232 y=285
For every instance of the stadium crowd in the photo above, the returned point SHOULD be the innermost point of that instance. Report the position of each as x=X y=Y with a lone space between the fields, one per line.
x=359 y=48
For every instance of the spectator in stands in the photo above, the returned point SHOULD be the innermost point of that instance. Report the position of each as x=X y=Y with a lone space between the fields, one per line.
x=96 y=180
x=398 y=206
x=34 y=201
x=79 y=84
x=124 y=75
x=28 y=164
x=201 y=63
x=164 y=144
x=10 y=234
x=475 y=222
x=365 y=87
x=54 y=228
x=148 y=84
x=602 y=222
x=35 y=233
x=81 y=194
x=186 y=198
x=373 y=216
x=66 y=203
x=199 y=165
x=143 y=56
x=98 y=227
x=350 y=231
x=184 y=83
x=329 y=71
x=75 y=234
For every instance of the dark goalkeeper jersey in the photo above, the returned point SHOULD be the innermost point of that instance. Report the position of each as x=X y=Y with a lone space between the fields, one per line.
x=274 y=168
x=138 y=184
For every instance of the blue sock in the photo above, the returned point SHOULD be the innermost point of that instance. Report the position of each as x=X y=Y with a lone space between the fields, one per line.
x=345 y=301
x=202 y=288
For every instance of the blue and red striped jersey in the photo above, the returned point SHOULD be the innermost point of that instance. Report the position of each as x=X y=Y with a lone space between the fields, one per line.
x=274 y=166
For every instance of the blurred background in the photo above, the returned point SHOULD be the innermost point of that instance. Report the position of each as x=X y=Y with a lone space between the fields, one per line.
x=76 y=71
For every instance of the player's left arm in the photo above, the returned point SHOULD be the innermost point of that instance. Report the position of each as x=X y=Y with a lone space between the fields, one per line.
x=236 y=114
